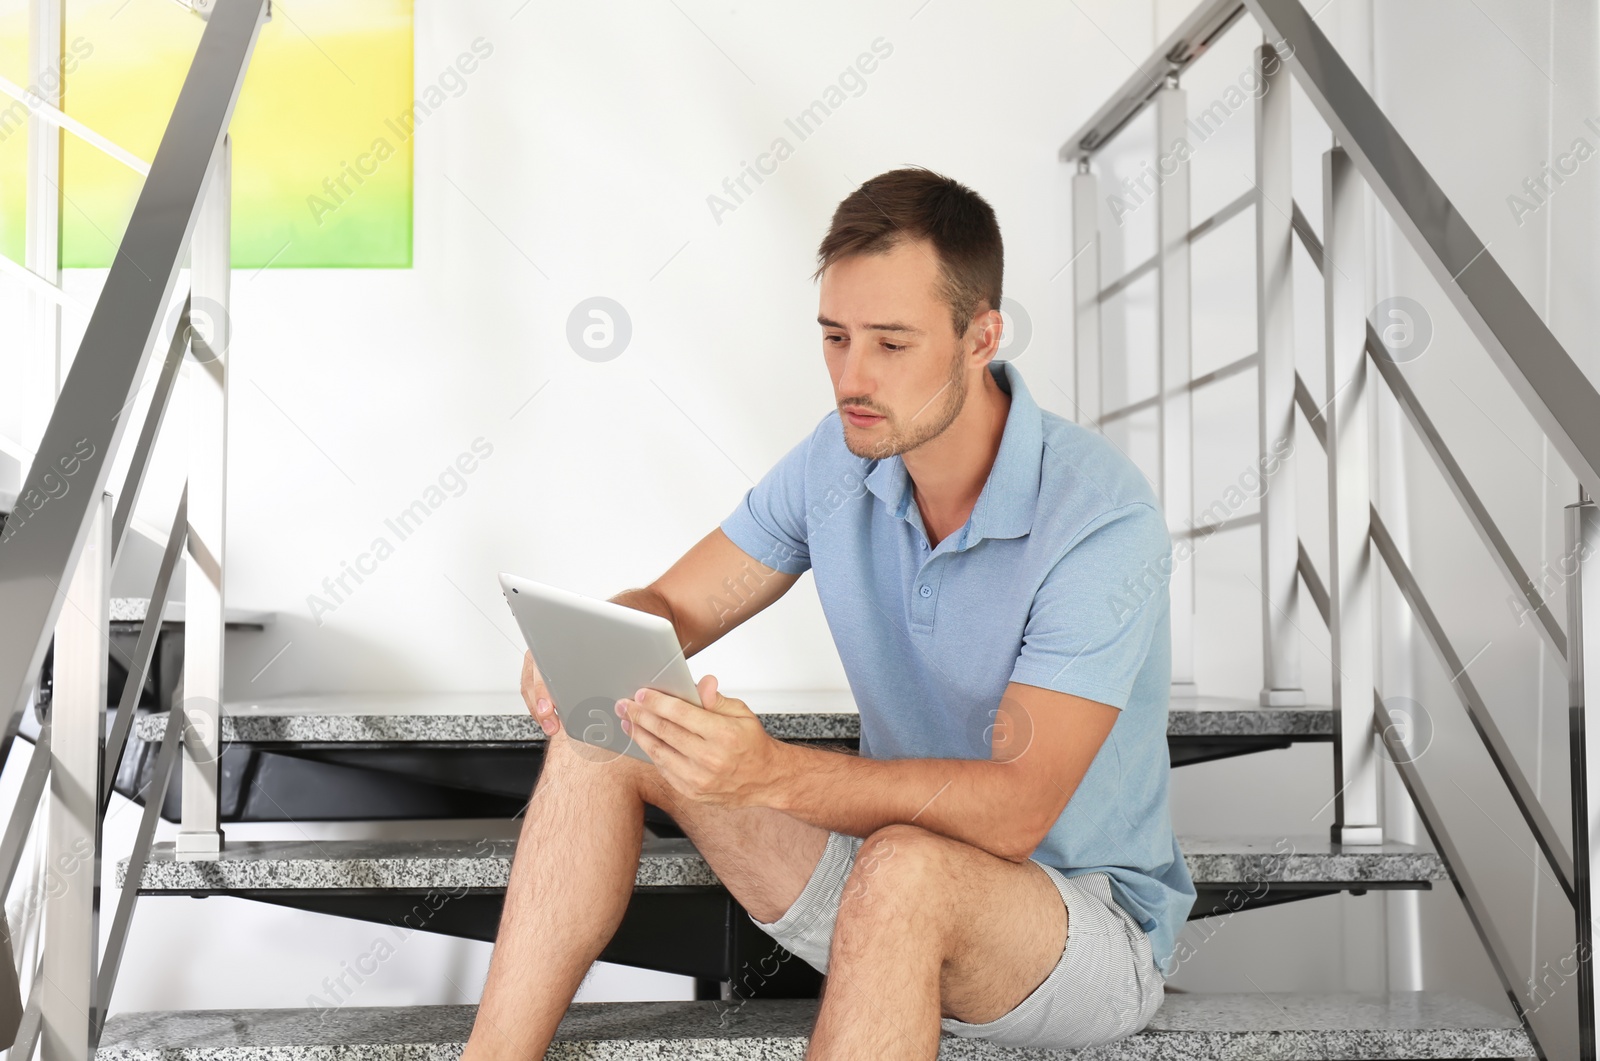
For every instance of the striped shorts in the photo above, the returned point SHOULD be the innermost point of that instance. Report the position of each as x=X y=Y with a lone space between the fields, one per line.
x=1105 y=985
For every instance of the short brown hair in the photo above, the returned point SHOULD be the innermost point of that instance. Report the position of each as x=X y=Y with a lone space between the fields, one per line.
x=917 y=203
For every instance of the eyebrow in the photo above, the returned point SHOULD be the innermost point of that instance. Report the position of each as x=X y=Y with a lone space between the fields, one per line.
x=893 y=326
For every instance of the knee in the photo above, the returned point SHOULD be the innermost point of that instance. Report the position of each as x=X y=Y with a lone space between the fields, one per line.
x=899 y=868
x=571 y=763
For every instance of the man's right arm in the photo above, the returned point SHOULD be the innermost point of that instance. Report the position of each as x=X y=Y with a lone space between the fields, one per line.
x=717 y=585
x=711 y=589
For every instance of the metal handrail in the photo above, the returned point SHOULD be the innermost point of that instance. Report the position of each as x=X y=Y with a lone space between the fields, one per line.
x=24 y=810
x=1543 y=375
x=155 y=792
x=45 y=543
x=1499 y=952
x=62 y=120
x=1185 y=44
x=1200 y=382
x=128 y=499
x=144 y=651
x=38 y=553
x=1308 y=409
x=1210 y=224
x=1317 y=589
x=1476 y=511
x=1494 y=742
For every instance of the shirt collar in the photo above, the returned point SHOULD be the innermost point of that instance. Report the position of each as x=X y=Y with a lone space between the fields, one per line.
x=1006 y=505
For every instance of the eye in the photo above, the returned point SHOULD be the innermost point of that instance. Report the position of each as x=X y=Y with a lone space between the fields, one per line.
x=894 y=347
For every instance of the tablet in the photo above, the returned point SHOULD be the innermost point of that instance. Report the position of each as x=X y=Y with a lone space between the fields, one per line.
x=592 y=653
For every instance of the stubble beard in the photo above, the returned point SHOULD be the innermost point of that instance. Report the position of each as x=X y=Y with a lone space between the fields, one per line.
x=926 y=424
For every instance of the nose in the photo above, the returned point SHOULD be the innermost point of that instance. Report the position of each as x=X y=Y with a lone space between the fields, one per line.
x=853 y=382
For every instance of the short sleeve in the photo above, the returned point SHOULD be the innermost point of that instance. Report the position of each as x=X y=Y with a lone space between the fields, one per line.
x=1095 y=615
x=770 y=522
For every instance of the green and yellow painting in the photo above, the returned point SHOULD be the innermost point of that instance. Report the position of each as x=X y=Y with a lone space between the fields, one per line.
x=321 y=166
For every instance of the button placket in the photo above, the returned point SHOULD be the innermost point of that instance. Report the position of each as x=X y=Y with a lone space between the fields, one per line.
x=924 y=594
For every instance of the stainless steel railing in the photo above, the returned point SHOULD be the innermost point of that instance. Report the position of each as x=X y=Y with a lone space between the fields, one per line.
x=62 y=540
x=1544 y=377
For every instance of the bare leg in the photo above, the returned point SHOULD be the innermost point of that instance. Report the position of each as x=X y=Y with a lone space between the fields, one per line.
x=582 y=836
x=929 y=927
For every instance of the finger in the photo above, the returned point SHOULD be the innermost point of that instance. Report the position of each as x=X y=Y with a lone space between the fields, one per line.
x=685 y=715
x=529 y=681
x=537 y=696
x=676 y=767
x=649 y=716
x=719 y=703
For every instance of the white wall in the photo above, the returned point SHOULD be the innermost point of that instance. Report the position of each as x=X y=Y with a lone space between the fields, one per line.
x=579 y=163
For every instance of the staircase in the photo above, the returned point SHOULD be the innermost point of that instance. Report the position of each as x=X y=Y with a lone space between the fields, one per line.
x=200 y=762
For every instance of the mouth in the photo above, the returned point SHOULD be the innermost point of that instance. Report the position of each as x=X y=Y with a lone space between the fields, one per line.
x=860 y=419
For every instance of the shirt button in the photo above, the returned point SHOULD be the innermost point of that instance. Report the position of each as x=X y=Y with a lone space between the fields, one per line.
x=927 y=591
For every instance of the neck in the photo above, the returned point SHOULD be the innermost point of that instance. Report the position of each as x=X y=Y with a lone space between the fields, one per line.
x=948 y=472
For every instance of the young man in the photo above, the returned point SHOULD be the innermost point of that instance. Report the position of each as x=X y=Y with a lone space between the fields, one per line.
x=999 y=860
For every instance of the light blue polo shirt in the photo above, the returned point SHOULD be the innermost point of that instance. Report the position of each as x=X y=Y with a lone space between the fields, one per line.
x=1058 y=579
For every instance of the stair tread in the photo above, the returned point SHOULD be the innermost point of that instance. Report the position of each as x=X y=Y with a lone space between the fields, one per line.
x=136 y=609
x=672 y=861
x=1284 y=1025
x=502 y=717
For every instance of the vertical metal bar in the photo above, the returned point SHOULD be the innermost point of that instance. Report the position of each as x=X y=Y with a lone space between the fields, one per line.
x=116 y=940
x=1280 y=533
x=1086 y=294
x=42 y=235
x=1175 y=415
x=25 y=809
x=1350 y=569
x=1583 y=658
x=200 y=834
x=144 y=651
x=77 y=717
x=128 y=500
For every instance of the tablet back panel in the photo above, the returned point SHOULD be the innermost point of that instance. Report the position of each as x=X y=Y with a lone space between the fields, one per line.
x=593 y=653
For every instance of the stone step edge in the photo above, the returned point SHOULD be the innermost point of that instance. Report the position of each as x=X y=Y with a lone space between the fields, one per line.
x=485 y=864
x=1289 y=723
x=1279 y=1024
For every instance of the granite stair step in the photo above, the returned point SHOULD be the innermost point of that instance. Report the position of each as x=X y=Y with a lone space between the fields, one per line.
x=824 y=715
x=1281 y=1025
x=264 y=865
x=434 y=756
x=679 y=918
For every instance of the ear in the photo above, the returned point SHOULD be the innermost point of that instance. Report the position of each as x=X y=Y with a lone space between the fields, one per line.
x=982 y=341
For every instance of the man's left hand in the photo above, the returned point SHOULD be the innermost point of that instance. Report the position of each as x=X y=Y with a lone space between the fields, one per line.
x=719 y=754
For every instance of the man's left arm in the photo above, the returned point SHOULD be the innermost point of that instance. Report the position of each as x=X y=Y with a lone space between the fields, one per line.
x=1088 y=632
x=1043 y=743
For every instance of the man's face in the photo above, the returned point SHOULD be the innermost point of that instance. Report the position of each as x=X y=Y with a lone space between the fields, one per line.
x=900 y=373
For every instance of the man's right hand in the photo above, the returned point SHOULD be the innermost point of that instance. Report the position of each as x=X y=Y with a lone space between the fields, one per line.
x=537 y=696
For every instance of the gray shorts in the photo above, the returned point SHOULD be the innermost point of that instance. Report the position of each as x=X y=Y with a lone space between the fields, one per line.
x=1105 y=986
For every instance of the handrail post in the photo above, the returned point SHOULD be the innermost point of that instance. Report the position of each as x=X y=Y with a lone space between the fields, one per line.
x=1350 y=570
x=42 y=236
x=72 y=845
x=1583 y=659
x=1175 y=419
x=200 y=835
x=1280 y=533
x=1086 y=348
